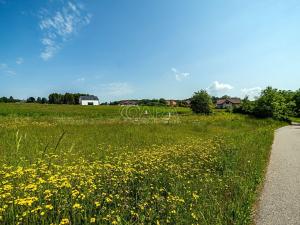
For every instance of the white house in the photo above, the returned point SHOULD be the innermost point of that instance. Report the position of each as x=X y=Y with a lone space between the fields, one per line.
x=88 y=100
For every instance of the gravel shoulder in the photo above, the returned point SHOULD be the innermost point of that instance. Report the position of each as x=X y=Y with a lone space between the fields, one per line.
x=279 y=203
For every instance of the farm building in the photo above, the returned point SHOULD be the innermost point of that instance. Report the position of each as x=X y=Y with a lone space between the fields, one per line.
x=171 y=103
x=88 y=100
x=228 y=103
x=128 y=102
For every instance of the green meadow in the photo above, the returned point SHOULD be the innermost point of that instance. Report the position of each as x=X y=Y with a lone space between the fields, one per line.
x=63 y=164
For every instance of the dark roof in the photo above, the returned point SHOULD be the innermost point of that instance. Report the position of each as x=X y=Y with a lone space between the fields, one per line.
x=232 y=100
x=89 y=97
x=128 y=102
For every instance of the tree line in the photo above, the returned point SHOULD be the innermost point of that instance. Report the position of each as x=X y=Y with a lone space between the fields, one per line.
x=275 y=103
x=10 y=99
x=272 y=103
x=67 y=98
x=73 y=99
x=53 y=98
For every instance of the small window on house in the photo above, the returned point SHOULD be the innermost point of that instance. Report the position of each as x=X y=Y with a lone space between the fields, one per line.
x=90 y=103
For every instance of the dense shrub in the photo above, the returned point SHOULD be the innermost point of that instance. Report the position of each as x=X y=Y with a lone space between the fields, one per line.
x=296 y=99
x=67 y=98
x=247 y=107
x=272 y=103
x=201 y=102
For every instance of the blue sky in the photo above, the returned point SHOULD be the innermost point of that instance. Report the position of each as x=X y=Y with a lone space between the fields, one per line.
x=148 y=49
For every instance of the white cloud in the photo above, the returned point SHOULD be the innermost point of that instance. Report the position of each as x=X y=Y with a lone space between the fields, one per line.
x=252 y=93
x=60 y=26
x=10 y=72
x=6 y=70
x=116 y=89
x=19 y=60
x=81 y=79
x=3 y=66
x=179 y=76
x=218 y=87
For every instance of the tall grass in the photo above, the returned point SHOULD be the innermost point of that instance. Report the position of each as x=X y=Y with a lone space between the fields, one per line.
x=86 y=165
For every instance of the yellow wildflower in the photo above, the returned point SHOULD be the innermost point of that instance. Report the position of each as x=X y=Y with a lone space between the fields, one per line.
x=77 y=206
x=64 y=222
x=50 y=207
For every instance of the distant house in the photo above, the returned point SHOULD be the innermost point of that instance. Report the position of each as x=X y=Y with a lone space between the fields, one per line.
x=88 y=100
x=128 y=102
x=171 y=103
x=228 y=103
x=188 y=102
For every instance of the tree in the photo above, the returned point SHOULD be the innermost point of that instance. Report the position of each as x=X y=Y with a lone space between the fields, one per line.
x=214 y=99
x=246 y=107
x=11 y=99
x=271 y=103
x=69 y=99
x=201 y=102
x=162 y=101
x=30 y=100
x=44 y=101
x=225 y=97
x=39 y=100
x=4 y=99
x=296 y=99
x=55 y=98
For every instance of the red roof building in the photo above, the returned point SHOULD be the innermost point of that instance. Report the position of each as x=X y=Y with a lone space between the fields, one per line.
x=228 y=103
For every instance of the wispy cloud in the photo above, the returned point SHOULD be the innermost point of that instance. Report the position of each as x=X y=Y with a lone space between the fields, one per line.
x=6 y=70
x=10 y=72
x=60 y=26
x=80 y=79
x=179 y=76
x=20 y=61
x=3 y=66
x=218 y=88
x=252 y=93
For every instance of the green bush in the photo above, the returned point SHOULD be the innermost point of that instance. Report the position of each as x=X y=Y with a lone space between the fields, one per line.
x=201 y=102
x=296 y=99
x=272 y=103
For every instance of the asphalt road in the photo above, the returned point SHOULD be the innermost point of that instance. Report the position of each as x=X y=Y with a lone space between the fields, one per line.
x=279 y=203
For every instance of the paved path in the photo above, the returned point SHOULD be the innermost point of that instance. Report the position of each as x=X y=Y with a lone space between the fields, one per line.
x=280 y=200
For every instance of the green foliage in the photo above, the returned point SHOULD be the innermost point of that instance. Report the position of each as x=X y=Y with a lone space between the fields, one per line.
x=296 y=99
x=201 y=102
x=30 y=100
x=44 y=101
x=67 y=98
x=272 y=103
x=152 y=102
x=55 y=98
x=246 y=107
x=163 y=101
x=9 y=100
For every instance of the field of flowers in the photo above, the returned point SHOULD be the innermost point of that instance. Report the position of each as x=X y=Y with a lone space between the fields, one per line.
x=77 y=165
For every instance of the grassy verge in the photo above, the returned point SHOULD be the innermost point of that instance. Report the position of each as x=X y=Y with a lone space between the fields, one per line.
x=295 y=119
x=85 y=165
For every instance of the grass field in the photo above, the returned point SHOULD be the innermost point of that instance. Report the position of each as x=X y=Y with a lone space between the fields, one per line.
x=111 y=165
x=295 y=119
